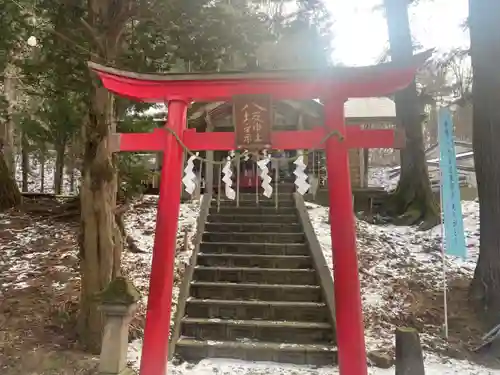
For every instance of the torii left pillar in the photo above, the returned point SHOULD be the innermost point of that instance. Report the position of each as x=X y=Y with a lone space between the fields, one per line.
x=156 y=332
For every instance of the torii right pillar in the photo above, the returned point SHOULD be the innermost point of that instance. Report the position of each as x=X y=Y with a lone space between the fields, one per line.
x=349 y=315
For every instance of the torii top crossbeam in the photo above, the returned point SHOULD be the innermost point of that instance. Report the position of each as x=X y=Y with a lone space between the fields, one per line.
x=350 y=82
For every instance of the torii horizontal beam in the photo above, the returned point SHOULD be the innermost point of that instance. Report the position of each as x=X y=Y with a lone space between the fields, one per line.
x=351 y=82
x=281 y=140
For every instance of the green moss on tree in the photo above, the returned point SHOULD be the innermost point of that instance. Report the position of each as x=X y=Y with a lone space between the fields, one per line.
x=120 y=291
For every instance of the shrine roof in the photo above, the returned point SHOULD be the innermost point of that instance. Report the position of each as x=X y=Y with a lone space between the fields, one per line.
x=364 y=81
x=357 y=110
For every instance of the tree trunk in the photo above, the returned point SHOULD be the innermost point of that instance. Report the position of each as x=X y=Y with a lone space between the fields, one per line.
x=432 y=125
x=71 y=179
x=42 y=170
x=413 y=198
x=59 y=170
x=484 y=17
x=25 y=162
x=463 y=122
x=7 y=128
x=101 y=241
x=10 y=196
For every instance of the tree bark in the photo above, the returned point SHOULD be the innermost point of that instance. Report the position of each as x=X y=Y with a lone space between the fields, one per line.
x=409 y=357
x=25 y=162
x=7 y=128
x=10 y=196
x=101 y=241
x=484 y=17
x=42 y=170
x=413 y=198
x=59 y=170
x=72 y=179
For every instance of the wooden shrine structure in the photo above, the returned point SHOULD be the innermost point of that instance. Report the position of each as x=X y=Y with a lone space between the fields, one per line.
x=305 y=115
x=333 y=86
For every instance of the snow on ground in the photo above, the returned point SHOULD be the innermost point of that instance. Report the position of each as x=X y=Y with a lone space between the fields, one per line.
x=40 y=281
x=434 y=366
x=399 y=266
x=140 y=225
x=391 y=259
x=35 y=176
x=379 y=177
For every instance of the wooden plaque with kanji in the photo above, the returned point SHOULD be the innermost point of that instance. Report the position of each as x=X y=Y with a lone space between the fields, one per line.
x=253 y=119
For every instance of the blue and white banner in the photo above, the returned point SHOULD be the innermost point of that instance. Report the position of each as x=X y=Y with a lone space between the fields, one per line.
x=451 y=206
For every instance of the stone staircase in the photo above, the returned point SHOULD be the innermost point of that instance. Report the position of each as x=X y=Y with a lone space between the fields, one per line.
x=254 y=292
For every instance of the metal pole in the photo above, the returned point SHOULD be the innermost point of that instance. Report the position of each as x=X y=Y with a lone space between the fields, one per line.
x=276 y=177
x=219 y=187
x=443 y=248
x=238 y=168
x=198 y=182
x=256 y=169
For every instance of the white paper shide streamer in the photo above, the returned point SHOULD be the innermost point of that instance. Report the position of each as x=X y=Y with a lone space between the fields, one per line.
x=264 y=174
x=189 y=179
x=245 y=155
x=301 y=177
x=227 y=178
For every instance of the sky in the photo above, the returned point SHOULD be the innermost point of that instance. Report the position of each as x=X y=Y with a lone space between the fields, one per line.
x=360 y=33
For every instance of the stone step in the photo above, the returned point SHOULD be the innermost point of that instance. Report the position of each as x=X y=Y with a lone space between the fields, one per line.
x=257 y=330
x=258 y=310
x=265 y=202
x=254 y=227
x=261 y=292
x=231 y=218
x=284 y=187
x=195 y=350
x=258 y=237
x=252 y=260
x=274 y=276
x=253 y=210
x=251 y=196
x=254 y=248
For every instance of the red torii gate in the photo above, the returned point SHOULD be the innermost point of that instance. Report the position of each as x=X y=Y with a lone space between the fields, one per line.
x=333 y=86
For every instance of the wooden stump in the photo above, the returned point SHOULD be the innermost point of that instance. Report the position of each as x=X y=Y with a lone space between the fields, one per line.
x=409 y=357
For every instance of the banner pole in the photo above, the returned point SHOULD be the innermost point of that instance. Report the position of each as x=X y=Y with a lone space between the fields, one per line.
x=443 y=252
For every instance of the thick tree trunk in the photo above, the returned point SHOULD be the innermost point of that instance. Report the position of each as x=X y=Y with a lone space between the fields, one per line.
x=484 y=17
x=25 y=162
x=10 y=195
x=7 y=128
x=59 y=170
x=413 y=198
x=101 y=242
